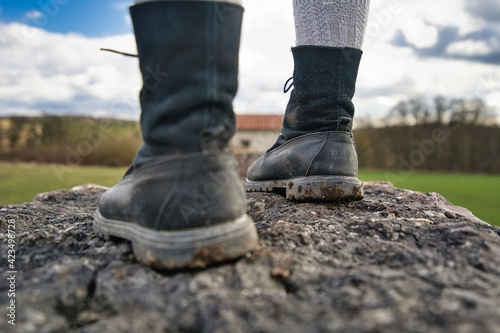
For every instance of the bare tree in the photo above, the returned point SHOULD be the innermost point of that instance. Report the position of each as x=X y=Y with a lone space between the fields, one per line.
x=1 y=134
x=470 y=112
x=400 y=112
x=14 y=132
x=53 y=129
x=415 y=110
x=442 y=110
x=419 y=109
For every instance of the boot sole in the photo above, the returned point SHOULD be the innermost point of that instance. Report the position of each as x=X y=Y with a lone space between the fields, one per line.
x=193 y=248
x=312 y=188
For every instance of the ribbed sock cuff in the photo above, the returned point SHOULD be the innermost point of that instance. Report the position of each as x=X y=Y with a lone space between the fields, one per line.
x=335 y=23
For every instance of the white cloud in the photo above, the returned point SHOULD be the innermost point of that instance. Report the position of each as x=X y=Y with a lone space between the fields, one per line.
x=439 y=13
x=56 y=73
x=419 y=33
x=33 y=15
x=122 y=5
x=389 y=74
x=66 y=73
x=469 y=48
x=265 y=57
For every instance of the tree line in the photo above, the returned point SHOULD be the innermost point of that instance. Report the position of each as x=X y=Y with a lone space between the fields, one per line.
x=438 y=134
x=419 y=110
x=68 y=140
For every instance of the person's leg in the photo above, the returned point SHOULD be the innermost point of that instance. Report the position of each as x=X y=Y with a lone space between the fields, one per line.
x=314 y=157
x=182 y=203
x=182 y=110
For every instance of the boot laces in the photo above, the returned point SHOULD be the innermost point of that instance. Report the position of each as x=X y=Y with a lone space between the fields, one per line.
x=288 y=86
x=120 y=52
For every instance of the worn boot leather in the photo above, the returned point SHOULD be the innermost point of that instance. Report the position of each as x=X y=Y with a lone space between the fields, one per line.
x=180 y=211
x=182 y=203
x=314 y=158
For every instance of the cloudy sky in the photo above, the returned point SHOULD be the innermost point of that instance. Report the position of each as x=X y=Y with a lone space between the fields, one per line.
x=50 y=60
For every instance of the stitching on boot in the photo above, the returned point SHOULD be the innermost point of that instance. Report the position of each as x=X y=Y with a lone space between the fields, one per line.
x=317 y=154
x=166 y=201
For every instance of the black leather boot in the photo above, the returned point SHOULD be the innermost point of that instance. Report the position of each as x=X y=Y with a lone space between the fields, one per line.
x=314 y=158
x=182 y=203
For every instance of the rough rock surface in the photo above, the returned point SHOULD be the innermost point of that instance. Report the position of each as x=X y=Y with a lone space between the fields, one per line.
x=398 y=261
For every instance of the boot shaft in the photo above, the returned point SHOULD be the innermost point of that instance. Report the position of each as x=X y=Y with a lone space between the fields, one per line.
x=324 y=82
x=188 y=57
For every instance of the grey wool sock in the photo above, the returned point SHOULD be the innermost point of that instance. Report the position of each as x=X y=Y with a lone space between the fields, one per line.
x=335 y=23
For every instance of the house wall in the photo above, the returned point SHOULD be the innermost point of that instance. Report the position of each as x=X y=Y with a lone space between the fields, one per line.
x=254 y=141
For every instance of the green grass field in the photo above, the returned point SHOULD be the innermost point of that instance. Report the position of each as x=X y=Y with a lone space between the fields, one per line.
x=19 y=182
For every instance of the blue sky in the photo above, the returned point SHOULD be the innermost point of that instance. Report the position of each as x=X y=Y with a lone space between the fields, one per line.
x=51 y=63
x=93 y=18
